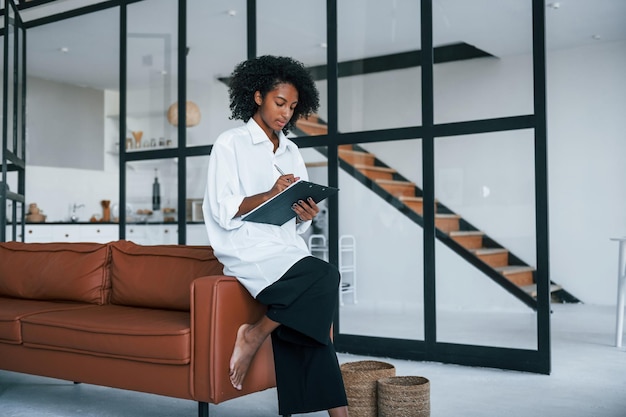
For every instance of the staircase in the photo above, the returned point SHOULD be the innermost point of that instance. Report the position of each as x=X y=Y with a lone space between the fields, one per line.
x=473 y=245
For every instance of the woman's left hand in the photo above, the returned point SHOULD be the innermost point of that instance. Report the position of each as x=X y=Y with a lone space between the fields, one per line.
x=305 y=210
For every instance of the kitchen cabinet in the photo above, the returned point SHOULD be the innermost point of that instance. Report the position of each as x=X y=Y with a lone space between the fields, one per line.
x=141 y=234
x=197 y=235
x=152 y=234
x=99 y=233
x=37 y=234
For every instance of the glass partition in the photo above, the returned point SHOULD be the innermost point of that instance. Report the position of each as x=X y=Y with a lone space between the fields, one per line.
x=381 y=240
x=485 y=243
x=379 y=73
x=20 y=94
x=151 y=201
x=13 y=209
x=12 y=41
x=11 y=120
x=281 y=20
x=483 y=75
x=196 y=184
x=318 y=234
x=72 y=109
x=152 y=47
x=216 y=39
x=486 y=246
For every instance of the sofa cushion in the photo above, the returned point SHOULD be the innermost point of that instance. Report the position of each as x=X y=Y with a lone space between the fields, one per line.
x=12 y=310
x=140 y=334
x=55 y=271
x=158 y=276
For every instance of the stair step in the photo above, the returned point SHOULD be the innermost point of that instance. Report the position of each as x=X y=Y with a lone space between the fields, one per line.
x=415 y=203
x=489 y=251
x=356 y=157
x=467 y=233
x=532 y=289
x=493 y=257
x=514 y=269
x=447 y=222
x=398 y=188
x=518 y=274
x=375 y=172
x=469 y=239
x=312 y=127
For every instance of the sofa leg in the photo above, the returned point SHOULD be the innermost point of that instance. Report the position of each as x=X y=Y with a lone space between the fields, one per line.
x=203 y=409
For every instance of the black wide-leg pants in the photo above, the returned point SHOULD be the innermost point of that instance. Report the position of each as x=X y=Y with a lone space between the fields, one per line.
x=304 y=301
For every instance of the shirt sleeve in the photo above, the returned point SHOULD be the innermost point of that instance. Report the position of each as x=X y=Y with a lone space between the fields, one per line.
x=223 y=196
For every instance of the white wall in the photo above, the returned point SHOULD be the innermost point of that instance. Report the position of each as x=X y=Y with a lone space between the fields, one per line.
x=587 y=167
x=57 y=133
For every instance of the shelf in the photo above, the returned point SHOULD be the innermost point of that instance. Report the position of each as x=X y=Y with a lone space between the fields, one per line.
x=146 y=149
x=137 y=115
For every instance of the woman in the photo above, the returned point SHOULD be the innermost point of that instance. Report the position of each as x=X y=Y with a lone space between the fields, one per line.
x=248 y=166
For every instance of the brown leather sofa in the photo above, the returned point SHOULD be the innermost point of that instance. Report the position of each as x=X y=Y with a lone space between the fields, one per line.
x=156 y=319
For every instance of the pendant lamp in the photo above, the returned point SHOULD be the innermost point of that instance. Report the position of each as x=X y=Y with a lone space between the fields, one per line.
x=192 y=114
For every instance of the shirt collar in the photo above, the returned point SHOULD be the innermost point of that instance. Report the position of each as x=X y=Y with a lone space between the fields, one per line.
x=259 y=136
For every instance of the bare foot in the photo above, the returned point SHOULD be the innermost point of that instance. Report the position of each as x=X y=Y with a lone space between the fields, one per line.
x=250 y=337
x=245 y=348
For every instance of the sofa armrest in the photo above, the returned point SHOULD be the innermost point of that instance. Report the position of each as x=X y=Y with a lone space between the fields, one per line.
x=219 y=305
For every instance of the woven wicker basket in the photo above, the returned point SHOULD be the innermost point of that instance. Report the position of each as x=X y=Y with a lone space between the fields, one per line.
x=360 y=381
x=404 y=396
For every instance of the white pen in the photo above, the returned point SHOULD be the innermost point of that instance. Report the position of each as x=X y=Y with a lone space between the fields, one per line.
x=279 y=170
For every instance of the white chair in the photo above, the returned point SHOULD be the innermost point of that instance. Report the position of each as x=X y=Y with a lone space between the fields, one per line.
x=347 y=267
x=317 y=246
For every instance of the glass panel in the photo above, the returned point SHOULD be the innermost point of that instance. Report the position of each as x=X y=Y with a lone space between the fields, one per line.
x=13 y=209
x=10 y=93
x=2 y=83
x=317 y=168
x=378 y=54
x=210 y=62
x=481 y=66
x=196 y=183
x=20 y=92
x=379 y=206
x=485 y=219
x=152 y=45
x=68 y=80
x=152 y=198
x=276 y=23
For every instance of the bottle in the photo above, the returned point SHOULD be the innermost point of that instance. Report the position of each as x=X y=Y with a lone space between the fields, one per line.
x=156 y=192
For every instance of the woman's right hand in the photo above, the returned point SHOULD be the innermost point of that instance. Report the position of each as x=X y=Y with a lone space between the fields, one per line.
x=282 y=183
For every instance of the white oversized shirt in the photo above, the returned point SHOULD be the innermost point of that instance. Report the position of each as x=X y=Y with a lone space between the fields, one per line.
x=242 y=164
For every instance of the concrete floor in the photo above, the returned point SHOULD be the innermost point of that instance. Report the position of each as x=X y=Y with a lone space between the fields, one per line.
x=588 y=379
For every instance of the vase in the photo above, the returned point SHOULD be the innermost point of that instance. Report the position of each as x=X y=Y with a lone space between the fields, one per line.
x=137 y=134
x=106 y=210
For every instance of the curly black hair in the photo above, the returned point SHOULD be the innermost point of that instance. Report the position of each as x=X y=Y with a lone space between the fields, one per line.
x=263 y=74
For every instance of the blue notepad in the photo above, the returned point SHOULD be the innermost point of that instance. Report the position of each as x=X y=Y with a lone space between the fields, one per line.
x=277 y=210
